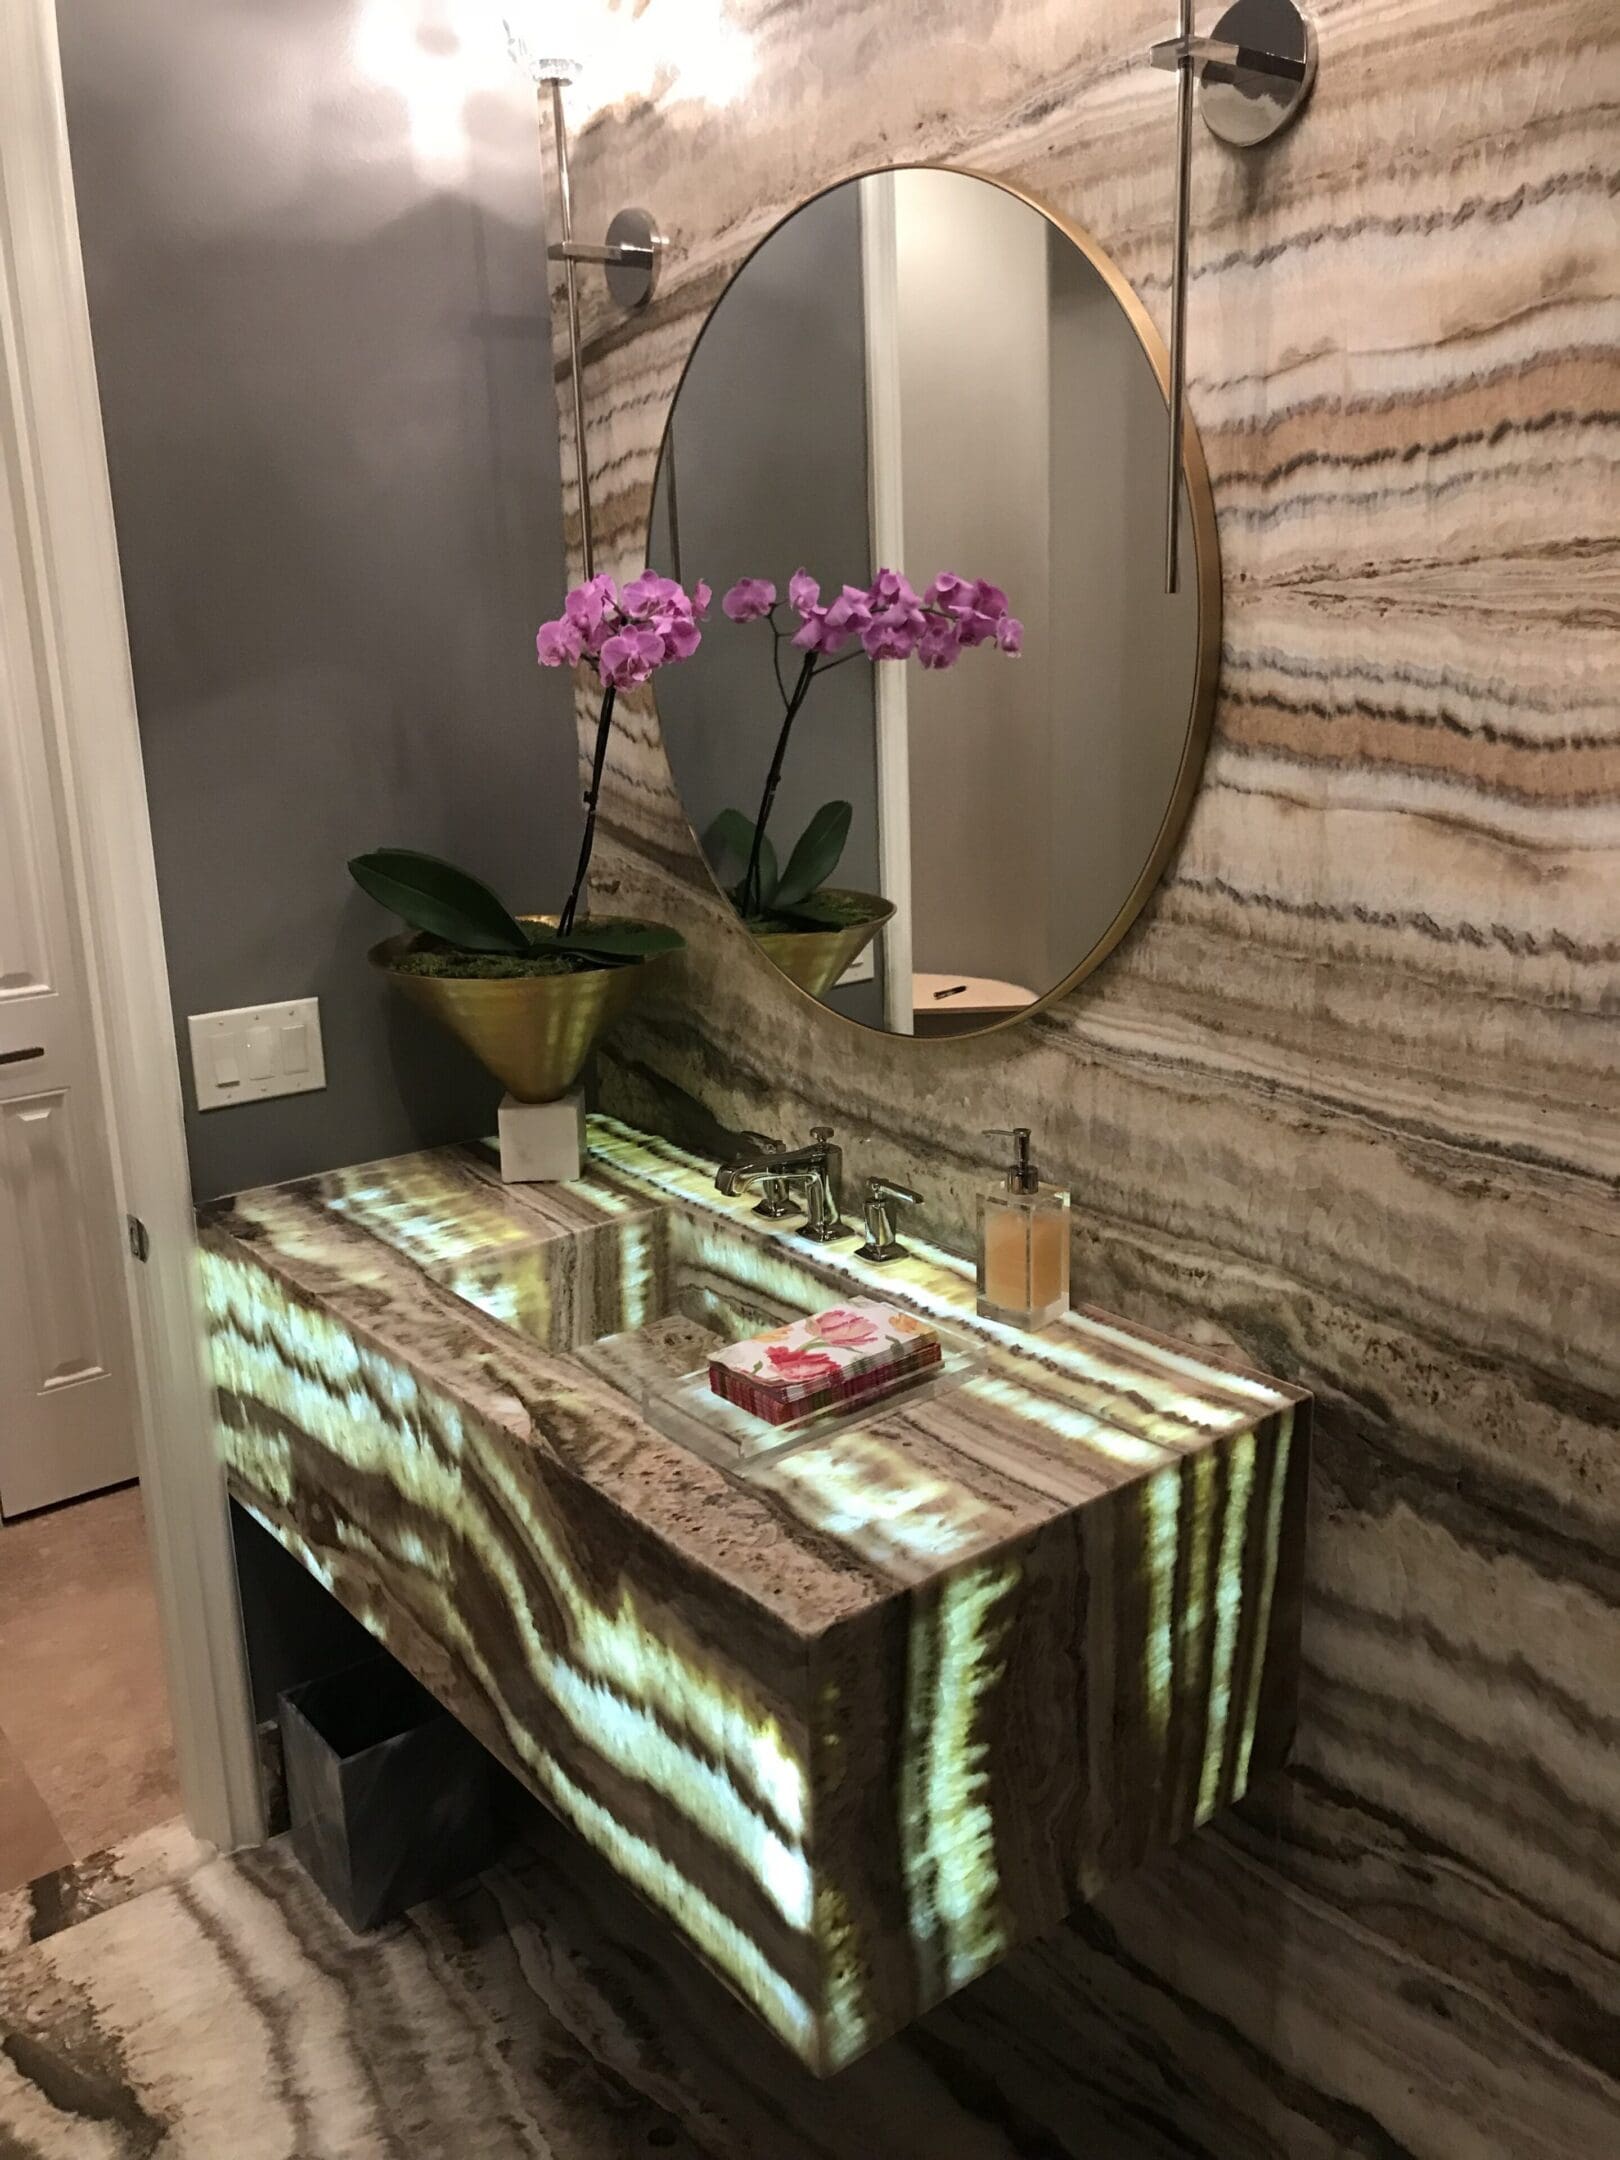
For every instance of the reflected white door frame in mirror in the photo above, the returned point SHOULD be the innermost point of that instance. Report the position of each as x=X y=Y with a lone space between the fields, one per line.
x=938 y=804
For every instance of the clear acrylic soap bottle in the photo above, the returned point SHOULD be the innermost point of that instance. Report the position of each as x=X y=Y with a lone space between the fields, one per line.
x=1023 y=1242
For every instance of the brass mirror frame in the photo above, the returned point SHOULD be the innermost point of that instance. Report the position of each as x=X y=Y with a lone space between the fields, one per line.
x=1207 y=565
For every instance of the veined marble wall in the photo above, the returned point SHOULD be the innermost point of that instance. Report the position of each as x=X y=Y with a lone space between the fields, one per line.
x=1346 y=1094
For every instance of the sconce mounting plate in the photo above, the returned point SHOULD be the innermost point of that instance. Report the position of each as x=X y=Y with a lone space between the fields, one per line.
x=1240 y=105
x=638 y=252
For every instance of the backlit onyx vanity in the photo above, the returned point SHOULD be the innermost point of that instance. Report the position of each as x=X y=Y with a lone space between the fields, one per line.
x=856 y=1717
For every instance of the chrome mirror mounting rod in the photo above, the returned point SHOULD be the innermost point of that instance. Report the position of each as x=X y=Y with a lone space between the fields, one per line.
x=1253 y=78
x=630 y=257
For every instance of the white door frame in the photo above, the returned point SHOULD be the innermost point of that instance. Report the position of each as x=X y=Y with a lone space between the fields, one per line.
x=880 y=275
x=50 y=407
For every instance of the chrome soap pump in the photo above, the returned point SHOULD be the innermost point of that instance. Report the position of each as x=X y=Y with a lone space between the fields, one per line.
x=1023 y=1242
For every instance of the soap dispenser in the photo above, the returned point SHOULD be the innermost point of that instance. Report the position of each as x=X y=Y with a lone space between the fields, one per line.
x=1023 y=1242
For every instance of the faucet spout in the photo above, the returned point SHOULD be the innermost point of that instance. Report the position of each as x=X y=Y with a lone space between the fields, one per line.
x=816 y=1171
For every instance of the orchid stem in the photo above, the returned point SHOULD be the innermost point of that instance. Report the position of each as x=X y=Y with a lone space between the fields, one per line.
x=773 y=780
x=604 y=728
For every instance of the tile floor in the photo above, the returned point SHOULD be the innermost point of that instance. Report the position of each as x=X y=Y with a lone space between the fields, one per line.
x=86 y=1746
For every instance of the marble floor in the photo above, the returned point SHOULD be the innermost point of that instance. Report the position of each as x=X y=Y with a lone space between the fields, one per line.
x=228 y=2011
x=86 y=1745
x=186 y=2007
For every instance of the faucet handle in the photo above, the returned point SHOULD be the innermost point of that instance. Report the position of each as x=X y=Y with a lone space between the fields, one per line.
x=775 y=1202
x=821 y=1133
x=883 y=1196
x=882 y=1188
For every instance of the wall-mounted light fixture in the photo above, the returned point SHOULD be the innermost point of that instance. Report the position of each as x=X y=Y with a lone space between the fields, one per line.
x=629 y=257
x=1253 y=77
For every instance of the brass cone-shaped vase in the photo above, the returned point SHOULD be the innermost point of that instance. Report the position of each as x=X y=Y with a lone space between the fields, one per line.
x=815 y=959
x=533 y=1032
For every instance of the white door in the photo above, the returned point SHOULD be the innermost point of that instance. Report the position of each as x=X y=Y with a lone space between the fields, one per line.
x=66 y=1410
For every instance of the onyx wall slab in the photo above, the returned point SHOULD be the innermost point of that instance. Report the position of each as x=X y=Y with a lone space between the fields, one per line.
x=1346 y=1094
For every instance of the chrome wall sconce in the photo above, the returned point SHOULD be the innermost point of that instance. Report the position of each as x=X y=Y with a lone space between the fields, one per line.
x=1252 y=79
x=630 y=256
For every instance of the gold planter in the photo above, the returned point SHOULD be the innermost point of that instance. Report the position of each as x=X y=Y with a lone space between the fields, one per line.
x=533 y=1032
x=815 y=959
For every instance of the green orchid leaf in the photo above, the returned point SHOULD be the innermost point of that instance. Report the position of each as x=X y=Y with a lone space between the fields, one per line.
x=817 y=855
x=728 y=843
x=620 y=941
x=433 y=895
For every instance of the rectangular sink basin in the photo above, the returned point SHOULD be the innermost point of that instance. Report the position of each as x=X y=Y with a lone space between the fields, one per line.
x=643 y=1303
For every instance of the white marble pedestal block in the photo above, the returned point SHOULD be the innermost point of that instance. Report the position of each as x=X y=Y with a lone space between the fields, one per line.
x=542 y=1143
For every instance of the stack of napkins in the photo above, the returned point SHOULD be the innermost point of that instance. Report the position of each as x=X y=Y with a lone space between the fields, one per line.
x=845 y=1356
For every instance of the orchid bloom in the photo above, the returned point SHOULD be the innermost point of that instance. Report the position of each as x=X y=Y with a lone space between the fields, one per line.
x=890 y=620
x=888 y=617
x=750 y=599
x=626 y=635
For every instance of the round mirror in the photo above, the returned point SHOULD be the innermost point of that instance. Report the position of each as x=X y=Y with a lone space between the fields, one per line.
x=945 y=722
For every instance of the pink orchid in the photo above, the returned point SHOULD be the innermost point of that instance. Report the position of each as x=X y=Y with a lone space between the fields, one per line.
x=681 y=636
x=849 y=614
x=949 y=592
x=630 y=656
x=749 y=600
x=978 y=609
x=894 y=631
x=651 y=594
x=560 y=643
x=939 y=646
x=651 y=623
x=804 y=592
x=892 y=622
x=626 y=636
x=593 y=607
x=890 y=588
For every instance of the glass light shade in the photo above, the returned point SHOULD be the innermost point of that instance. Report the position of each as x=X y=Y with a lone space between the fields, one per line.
x=524 y=43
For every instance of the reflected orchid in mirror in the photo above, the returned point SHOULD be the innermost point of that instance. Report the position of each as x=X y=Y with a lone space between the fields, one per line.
x=886 y=620
x=627 y=634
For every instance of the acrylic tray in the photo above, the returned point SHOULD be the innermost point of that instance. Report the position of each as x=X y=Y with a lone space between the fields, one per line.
x=686 y=1409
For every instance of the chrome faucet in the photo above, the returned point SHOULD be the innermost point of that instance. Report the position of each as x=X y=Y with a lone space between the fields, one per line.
x=883 y=1196
x=816 y=1171
x=774 y=1203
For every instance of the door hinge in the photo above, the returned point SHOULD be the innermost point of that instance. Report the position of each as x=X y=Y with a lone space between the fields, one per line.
x=140 y=1242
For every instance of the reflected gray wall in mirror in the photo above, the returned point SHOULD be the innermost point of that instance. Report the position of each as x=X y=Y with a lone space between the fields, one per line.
x=923 y=369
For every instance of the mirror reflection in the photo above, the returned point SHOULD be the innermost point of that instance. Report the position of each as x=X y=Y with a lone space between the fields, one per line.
x=939 y=752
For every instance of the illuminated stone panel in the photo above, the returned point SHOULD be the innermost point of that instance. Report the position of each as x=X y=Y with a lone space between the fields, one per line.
x=857 y=1722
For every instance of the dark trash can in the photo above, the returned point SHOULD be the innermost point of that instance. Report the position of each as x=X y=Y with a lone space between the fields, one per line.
x=389 y=1799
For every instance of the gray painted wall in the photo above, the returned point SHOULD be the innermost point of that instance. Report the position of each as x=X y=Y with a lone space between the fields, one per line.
x=312 y=237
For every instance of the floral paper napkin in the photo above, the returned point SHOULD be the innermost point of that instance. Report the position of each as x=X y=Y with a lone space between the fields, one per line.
x=834 y=1356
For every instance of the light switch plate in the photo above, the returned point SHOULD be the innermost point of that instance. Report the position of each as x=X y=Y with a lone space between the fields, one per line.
x=257 y=1051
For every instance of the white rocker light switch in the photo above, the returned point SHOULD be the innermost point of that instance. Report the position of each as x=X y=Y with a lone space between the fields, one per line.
x=255 y=1052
